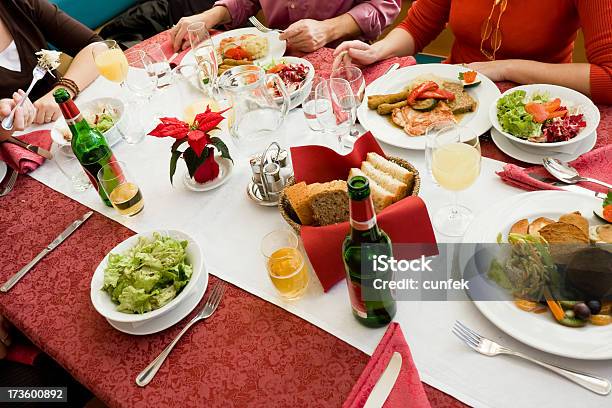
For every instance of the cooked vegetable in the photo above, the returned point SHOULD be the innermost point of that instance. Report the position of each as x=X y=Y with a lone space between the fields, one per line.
x=375 y=100
x=387 y=108
x=424 y=87
x=554 y=306
x=425 y=104
x=439 y=93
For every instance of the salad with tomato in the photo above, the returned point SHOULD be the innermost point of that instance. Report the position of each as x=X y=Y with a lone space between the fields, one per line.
x=538 y=118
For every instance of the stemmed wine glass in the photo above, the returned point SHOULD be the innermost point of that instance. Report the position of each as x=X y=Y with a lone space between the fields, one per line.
x=110 y=60
x=156 y=64
x=354 y=77
x=455 y=165
x=334 y=101
x=205 y=55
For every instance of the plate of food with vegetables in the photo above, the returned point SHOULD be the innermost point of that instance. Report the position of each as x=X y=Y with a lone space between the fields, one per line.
x=544 y=116
x=402 y=105
x=552 y=276
x=297 y=75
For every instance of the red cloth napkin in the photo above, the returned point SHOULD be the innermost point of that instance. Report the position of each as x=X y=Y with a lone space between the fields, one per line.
x=23 y=160
x=595 y=164
x=408 y=390
x=22 y=353
x=406 y=222
x=323 y=58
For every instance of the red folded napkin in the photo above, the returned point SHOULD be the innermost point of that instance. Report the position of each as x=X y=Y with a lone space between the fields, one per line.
x=323 y=58
x=23 y=160
x=408 y=390
x=406 y=222
x=595 y=164
x=22 y=353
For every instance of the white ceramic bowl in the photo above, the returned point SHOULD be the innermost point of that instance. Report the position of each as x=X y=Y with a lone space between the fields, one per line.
x=112 y=135
x=105 y=306
x=297 y=97
x=587 y=108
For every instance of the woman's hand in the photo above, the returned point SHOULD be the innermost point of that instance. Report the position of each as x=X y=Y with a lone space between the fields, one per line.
x=306 y=35
x=215 y=16
x=360 y=52
x=496 y=71
x=47 y=110
x=24 y=115
x=5 y=338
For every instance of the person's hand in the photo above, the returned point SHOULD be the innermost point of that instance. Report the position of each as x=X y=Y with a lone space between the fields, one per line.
x=212 y=17
x=306 y=35
x=5 y=337
x=359 y=52
x=47 y=110
x=24 y=115
x=494 y=70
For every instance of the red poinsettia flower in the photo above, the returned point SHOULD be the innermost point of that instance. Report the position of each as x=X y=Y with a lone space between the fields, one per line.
x=170 y=127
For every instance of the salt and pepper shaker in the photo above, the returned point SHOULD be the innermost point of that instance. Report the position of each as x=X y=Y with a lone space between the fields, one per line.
x=270 y=173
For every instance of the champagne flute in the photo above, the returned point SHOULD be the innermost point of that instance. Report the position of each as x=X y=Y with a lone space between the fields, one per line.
x=205 y=55
x=354 y=77
x=156 y=64
x=455 y=165
x=111 y=62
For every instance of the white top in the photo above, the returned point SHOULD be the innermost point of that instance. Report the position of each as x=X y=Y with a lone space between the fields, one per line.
x=9 y=58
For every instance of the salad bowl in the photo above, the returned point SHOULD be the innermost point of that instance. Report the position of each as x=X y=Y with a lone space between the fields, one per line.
x=298 y=95
x=102 y=301
x=576 y=103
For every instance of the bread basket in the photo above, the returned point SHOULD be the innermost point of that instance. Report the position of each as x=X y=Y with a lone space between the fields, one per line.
x=292 y=219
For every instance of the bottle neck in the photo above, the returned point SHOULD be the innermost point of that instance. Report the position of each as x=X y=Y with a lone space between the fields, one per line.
x=73 y=116
x=363 y=219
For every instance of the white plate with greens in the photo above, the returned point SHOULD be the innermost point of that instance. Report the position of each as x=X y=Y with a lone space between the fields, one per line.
x=540 y=331
x=147 y=276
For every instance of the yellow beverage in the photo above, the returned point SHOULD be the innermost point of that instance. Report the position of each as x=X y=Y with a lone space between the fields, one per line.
x=112 y=65
x=127 y=199
x=456 y=166
x=199 y=106
x=288 y=272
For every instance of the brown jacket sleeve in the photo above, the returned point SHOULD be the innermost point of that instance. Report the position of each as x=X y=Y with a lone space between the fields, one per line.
x=59 y=29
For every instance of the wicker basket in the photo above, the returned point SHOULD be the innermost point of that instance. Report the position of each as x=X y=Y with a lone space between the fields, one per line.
x=292 y=219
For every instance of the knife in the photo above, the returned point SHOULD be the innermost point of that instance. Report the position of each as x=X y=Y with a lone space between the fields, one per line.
x=33 y=148
x=392 y=68
x=60 y=238
x=385 y=383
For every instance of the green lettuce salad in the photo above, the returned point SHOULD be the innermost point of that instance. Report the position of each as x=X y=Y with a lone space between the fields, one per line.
x=513 y=117
x=149 y=275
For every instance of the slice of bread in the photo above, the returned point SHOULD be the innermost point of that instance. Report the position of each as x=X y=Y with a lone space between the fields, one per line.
x=298 y=195
x=329 y=202
x=385 y=180
x=395 y=170
x=380 y=197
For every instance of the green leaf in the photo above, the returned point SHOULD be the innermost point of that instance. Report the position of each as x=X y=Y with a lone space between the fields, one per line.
x=218 y=143
x=193 y=161
x=608 y=200
x=461 y=76
x=173 y=159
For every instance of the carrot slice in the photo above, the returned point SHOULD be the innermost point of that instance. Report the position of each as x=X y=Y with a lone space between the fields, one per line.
x=526 y=305
x=601 y=320
x=554 y=306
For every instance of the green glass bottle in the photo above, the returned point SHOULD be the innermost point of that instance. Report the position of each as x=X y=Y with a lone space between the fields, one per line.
x=371 y=307
x=88 y=144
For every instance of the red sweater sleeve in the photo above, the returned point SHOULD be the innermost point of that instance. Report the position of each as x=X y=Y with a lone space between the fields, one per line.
x=426 y=19
x=596 y=21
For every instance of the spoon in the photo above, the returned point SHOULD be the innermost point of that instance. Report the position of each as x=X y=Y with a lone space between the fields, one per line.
x=567 y=174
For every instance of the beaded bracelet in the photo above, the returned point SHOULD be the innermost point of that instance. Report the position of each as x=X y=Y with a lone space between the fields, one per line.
x=70 y=84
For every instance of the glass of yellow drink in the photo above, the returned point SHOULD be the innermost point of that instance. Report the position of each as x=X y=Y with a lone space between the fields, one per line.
x=286 y=264
x=110 y=61
x=455 y=165
x=119 y=186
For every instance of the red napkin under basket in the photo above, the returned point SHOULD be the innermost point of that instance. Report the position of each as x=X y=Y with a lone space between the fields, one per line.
x=406 y=222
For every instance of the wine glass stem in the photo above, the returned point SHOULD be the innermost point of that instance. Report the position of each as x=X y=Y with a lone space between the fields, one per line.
x=454 y=211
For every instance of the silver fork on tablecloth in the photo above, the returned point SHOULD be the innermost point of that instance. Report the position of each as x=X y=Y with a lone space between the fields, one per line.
x=490 y=348
x=258 y=25
x=10 y=183
x=212 y=301
x=37 y=74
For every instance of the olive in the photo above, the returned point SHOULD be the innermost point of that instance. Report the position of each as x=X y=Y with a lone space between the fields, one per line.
x=595 y=306
x=582 y=311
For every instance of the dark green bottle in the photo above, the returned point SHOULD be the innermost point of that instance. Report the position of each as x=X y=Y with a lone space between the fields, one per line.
x=372 y=307
x=88 y=144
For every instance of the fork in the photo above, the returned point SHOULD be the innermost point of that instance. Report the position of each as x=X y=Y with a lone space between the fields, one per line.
x=212 y=301
x=37 y=74
x=490 y=348
x=258 y=25
x=10 y=183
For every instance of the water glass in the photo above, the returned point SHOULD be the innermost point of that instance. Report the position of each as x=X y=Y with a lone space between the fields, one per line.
x=309 y=106
x=71 y=168
x=157 y=65
x=287 y=268
x=120 y=188
x=354 y=77
x=334 y=102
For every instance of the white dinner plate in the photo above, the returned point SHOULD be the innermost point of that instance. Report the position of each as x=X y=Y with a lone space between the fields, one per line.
x=385 y=131
x=3 y=169
x=276 y=47
x=540 y=331
x=533 y=155
x=169 y=319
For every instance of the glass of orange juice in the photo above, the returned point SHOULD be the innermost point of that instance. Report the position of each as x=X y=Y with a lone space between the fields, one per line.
x=110 y=60
x=286 y=264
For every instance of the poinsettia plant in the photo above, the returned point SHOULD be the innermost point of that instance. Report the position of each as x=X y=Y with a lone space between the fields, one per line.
x=200 y=155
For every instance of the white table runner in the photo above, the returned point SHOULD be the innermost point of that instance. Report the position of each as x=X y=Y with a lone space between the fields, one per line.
x=229 y=228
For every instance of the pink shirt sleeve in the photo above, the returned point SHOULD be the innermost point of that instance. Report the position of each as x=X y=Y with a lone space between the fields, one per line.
x=240 y=10
x=373 y=16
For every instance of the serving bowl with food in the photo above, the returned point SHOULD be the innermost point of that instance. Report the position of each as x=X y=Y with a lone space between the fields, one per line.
x=296 y=73
x=544 y=116
x=147 y=276
x=548 y=233
x=104 y=114
x=401 y=106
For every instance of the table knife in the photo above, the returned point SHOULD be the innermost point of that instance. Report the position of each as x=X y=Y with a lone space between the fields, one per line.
x=33 y=148
x=392 y=68
x=385 y=383
x=60 y=238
